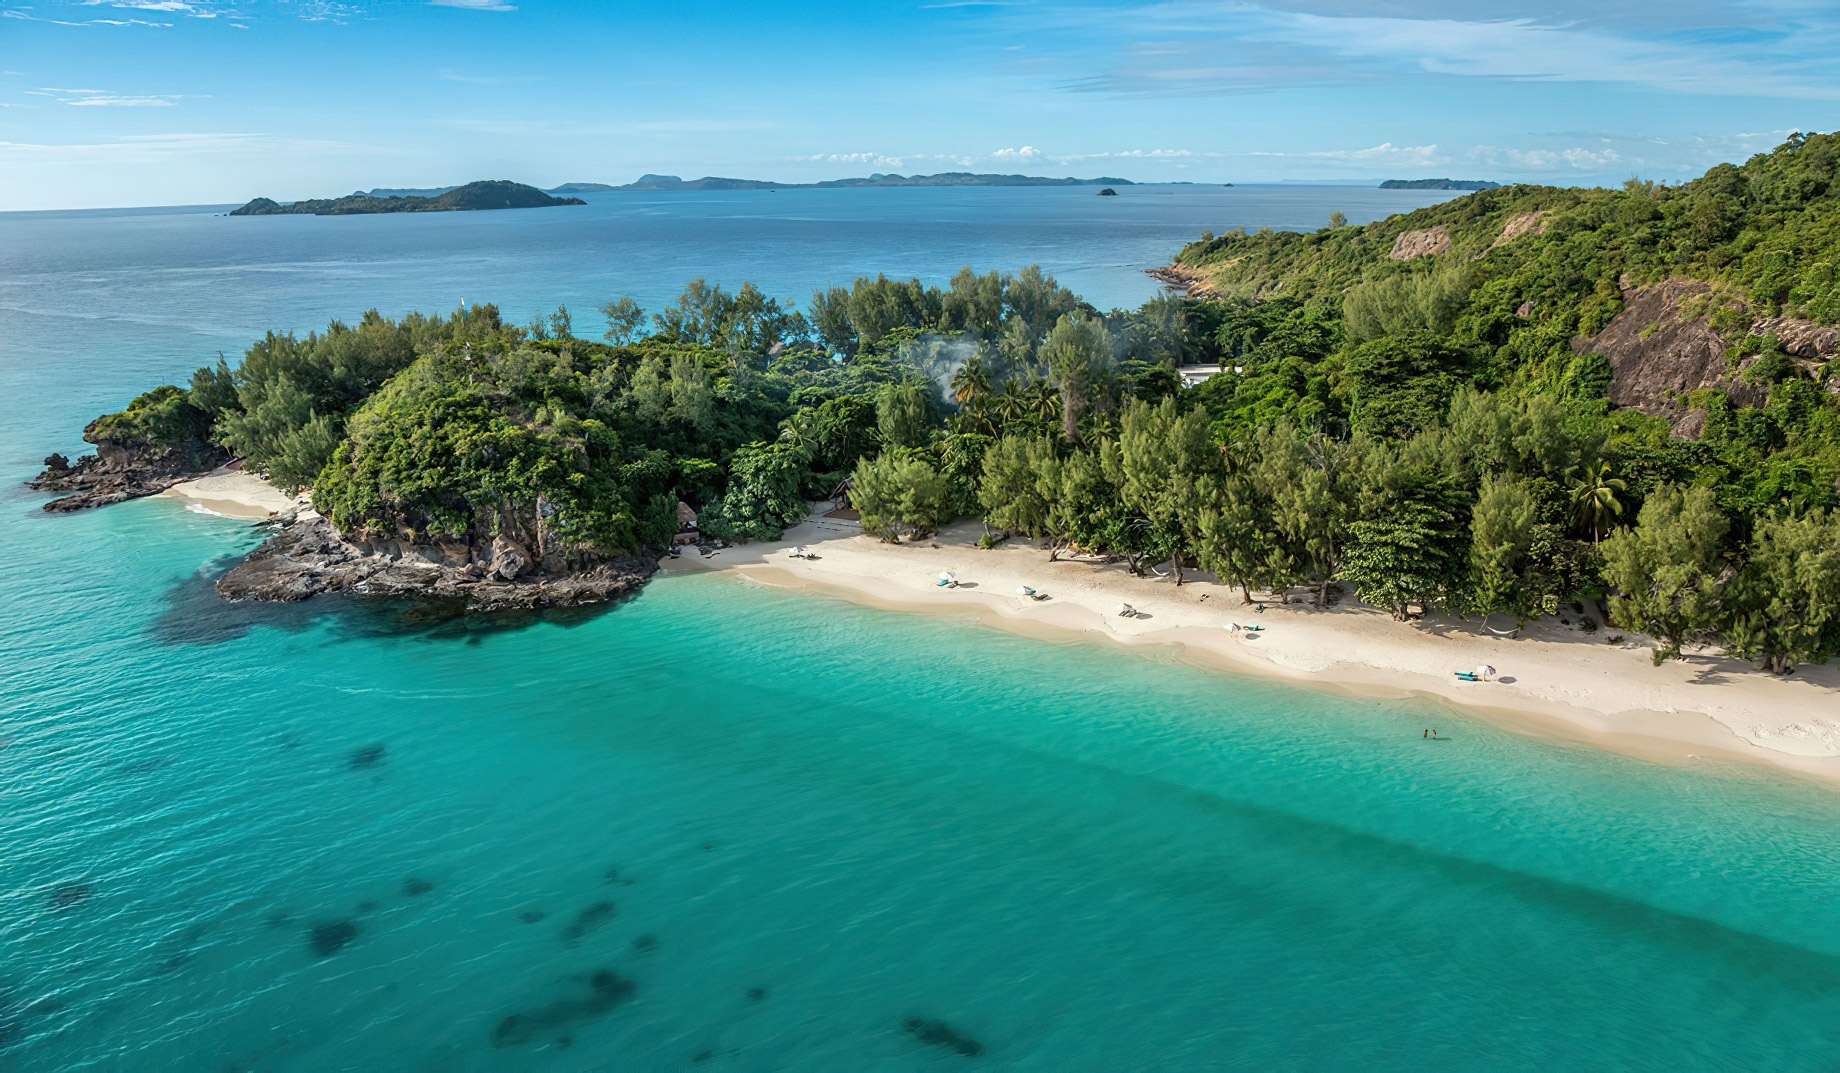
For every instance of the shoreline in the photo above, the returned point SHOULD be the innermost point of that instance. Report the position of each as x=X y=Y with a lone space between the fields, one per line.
x=1554 y=682
x=230 y=492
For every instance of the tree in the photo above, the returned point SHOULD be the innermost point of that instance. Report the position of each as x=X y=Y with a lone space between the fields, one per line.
x=903 y=414
x=762 y=497
x=1402 y=558
x=1595 y=497
x=1338 y=220
x=692 y=400
x=899 y=493
x=1010 y=492
x=1784 y=604
x=1078 y=350
x=1667 y=569
x=1227 y=533
x=625 y=318
x=1166 y=454
x=1502 y=533
x=1310 y=481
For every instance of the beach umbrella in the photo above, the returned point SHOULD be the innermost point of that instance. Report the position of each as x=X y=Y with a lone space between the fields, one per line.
x=1124 y=609
x=1024 y=590
x=1232 y=627
x=947 y=575
x=1485 y=671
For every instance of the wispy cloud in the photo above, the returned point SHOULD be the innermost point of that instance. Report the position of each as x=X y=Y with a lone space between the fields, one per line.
x=15 y=13
x=476 y=5
x=1185 y=47
x=159 y=148
x=96 y=98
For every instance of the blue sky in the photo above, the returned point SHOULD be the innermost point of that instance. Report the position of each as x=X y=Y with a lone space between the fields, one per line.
x=133 y=102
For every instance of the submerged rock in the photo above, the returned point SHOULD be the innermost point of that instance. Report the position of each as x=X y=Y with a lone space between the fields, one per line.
x=588 y=920
x=307 y=557
x=368 y=757
x=416 y=887
x=606 y=989
x=68 y=895
x=331 y=937
x=939 y=1034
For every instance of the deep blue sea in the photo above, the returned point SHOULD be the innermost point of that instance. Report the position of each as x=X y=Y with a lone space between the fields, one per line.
x=725 y=828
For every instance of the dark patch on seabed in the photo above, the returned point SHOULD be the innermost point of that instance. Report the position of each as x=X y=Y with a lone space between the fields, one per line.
x=367 y=757
x=68 y=895
x=939 y=1034
x=587 y=921
x=606 y=989
x=331 y=937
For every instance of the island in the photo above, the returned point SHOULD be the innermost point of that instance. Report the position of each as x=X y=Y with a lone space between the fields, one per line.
x=486 y=194
x=1611 y=413
x=1108 y=192
x=1438 y=184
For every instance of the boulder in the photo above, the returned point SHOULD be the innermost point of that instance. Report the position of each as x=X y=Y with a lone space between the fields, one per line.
x=509 y=559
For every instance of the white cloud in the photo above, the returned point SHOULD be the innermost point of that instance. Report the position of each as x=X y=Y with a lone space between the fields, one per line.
x=96 y=98
x=1026 y=154
x=476 y=5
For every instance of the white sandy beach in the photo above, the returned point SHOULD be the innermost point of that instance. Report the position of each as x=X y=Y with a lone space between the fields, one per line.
x=1553 y=680
x=233 y=493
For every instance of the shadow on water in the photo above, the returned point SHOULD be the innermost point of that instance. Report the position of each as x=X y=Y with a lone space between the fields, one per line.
x=194 y=614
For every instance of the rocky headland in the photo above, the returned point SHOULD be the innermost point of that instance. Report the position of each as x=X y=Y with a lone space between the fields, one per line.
x=116 y=473
x=306 y=557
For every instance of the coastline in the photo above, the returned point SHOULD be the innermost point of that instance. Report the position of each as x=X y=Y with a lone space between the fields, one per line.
x=1553 y=681
x=232 y=493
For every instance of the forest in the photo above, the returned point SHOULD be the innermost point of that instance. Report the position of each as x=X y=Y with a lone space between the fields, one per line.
x=1422 y=430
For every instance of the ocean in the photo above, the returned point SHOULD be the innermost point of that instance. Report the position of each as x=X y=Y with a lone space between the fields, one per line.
x=724 y=827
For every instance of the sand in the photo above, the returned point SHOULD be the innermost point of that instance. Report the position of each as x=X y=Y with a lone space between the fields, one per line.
x=233 y=493
x=1552 y=680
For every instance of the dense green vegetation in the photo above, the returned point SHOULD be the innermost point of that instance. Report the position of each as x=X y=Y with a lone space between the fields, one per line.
x=1420 y=430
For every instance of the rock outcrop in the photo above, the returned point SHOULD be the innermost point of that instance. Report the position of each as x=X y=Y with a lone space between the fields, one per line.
x=1800 y=338
x=1424 y=242
x=118 y=472
x=307 y=557
x=1659 y=352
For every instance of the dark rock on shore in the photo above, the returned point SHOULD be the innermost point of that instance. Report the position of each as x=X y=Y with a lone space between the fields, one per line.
x=117 y=473
x=307 y=557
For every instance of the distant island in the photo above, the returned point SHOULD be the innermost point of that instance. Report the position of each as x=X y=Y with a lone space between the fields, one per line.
x=650 y=181
x=1438 y=184
x=487 y=194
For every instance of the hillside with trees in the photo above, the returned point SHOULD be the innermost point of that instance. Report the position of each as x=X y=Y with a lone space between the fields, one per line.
x=1446 y=411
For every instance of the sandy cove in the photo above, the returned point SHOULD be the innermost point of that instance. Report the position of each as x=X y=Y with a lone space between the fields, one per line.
x=1553 y=681
x=233 y=493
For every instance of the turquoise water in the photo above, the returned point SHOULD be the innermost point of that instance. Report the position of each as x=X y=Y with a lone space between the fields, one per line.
x=783 y=826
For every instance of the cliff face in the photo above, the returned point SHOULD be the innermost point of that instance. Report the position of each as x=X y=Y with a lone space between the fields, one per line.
x=1659 y=352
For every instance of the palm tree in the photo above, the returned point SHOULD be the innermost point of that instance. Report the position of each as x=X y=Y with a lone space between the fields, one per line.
x=1011 y=404
x=1594 y=497
x=971 y=384
x=800 y=432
